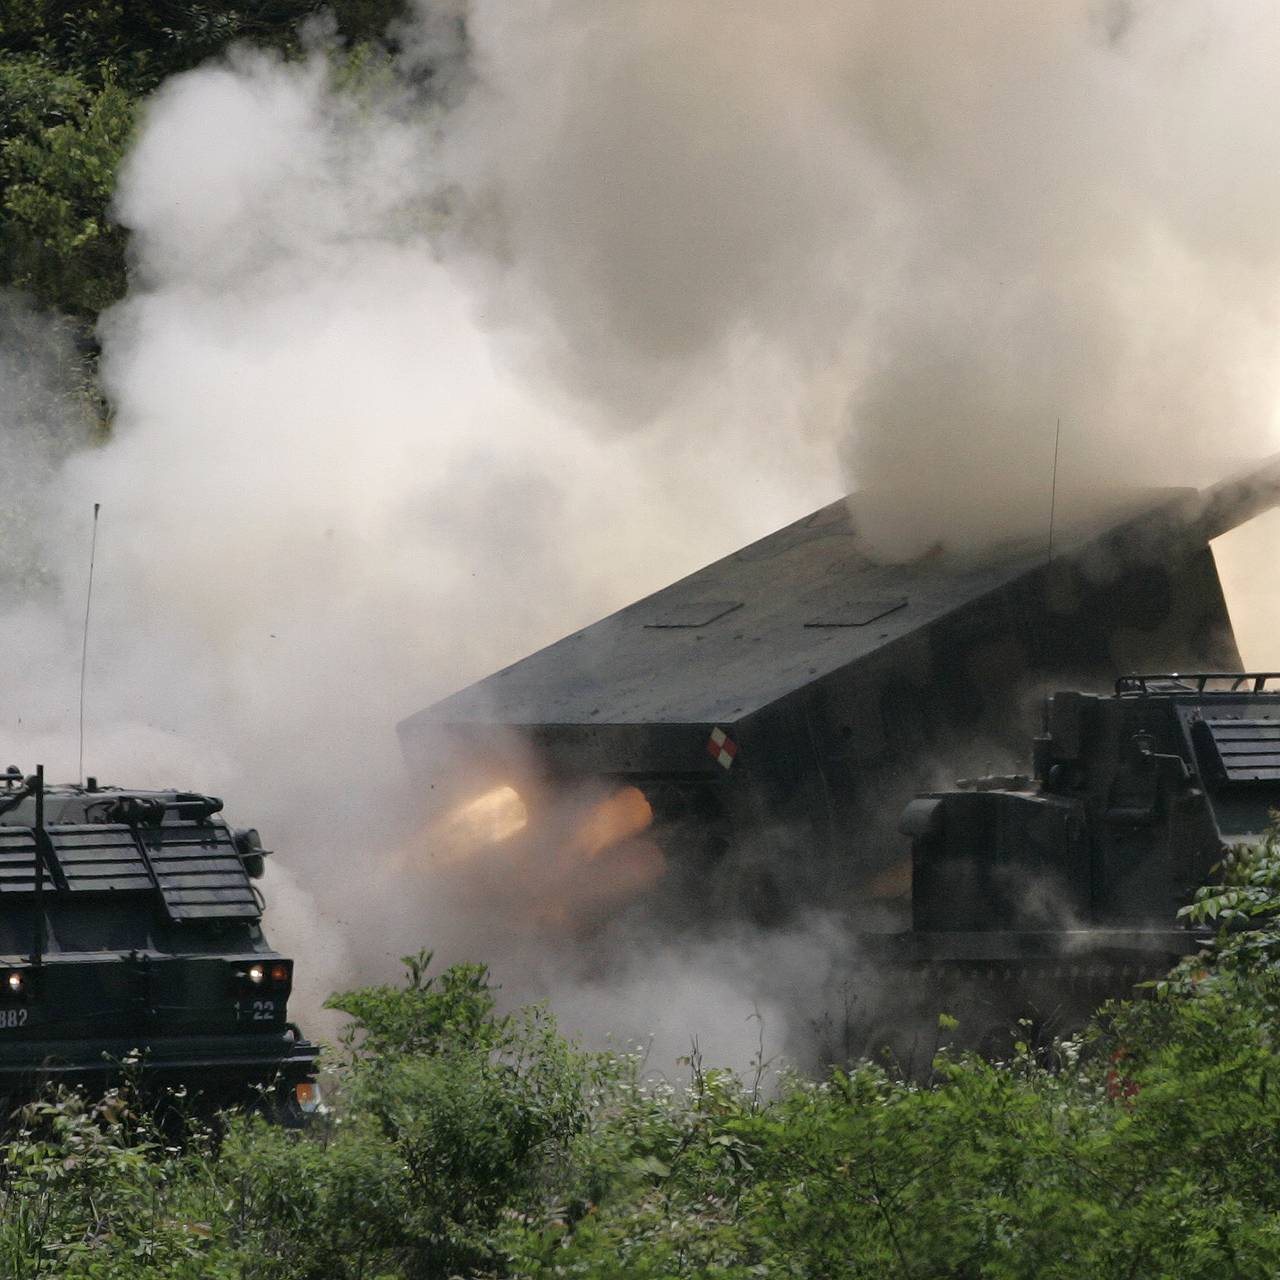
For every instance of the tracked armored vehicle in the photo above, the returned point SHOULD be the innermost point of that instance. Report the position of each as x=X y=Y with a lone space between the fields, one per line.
x=783 y=704
x=742 y=743
x=131 y=940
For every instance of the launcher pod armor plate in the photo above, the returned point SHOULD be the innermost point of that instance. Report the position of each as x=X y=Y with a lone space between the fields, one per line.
x=130 y=933
x=778 y=708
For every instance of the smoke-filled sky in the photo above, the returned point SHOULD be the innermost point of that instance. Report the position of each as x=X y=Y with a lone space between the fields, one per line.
x=412 y=381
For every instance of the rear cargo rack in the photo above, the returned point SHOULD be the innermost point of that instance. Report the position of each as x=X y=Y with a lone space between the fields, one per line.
x=1200 y=682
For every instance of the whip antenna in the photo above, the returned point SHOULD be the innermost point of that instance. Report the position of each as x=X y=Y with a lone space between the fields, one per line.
x=1053 y=488
x=84 y=643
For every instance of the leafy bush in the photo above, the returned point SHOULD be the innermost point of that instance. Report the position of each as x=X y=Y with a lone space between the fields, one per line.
x=61 y=141
x=1148 y=1150
x=464 y=1142
x=72 y=77
x=330 y=1205
x=476 y=1107
x=85 y=1191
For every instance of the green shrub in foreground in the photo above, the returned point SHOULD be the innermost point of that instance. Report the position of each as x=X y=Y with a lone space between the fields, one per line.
x=466 y=1143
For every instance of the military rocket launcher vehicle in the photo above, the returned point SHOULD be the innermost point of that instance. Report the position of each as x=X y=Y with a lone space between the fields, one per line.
x=779 y=709
x=130 y=932
x=784 y=703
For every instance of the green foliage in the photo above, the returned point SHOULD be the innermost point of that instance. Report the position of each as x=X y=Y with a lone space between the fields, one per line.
x=475 y=1106
x=449 y=1119
x=330 y=1205
x=462 y=1142
x=60 y=144
x=1245 y=904
x=428 y=1015
x=84 y=1193
x=139 y=45
x=72 y=77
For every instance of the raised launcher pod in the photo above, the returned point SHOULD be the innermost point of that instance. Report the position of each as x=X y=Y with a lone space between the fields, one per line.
x=779 y=707
x=1079 y=871
x=129 y=929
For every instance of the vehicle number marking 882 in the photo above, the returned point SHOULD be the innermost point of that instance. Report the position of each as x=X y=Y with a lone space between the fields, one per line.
x=11 y=1019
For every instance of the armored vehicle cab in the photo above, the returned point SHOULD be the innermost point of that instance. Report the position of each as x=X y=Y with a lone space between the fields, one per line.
x=130 y=930
x=1133 y=800
x=1135 y=797
x=1066 y=884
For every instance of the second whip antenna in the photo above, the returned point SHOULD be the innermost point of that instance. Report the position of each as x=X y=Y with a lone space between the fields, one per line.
x=84 y=643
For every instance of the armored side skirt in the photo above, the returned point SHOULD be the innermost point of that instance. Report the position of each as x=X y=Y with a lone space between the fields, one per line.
x=994 y=987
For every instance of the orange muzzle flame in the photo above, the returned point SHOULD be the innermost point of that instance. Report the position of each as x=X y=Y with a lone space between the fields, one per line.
x=569 y=862
x=616 y=818
x=487 y=820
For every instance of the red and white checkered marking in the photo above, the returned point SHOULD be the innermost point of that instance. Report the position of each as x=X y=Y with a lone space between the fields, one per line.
x=721 y=748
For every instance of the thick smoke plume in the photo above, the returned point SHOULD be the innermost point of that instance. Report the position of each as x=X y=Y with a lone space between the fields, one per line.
x=927 y=233
x=422 y=370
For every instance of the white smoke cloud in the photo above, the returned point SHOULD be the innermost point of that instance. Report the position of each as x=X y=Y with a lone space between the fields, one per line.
x=327 y=500
x=410 y=384
x=952 y=227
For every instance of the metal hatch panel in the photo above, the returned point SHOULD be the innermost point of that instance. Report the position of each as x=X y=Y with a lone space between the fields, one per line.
x=199 y=872
x=649 y=663
x=856 y=613
x=619 y=695
x=17 y=860
x=1248 y=748
x=696 y=613
x=100 y=857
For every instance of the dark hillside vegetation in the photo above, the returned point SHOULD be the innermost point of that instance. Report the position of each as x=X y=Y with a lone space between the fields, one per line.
x=72 y=79
x=461 y=1142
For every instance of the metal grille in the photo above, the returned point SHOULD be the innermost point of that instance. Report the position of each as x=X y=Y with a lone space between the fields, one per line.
x=17 y=860
x=100 y=858
x=200 y=873
x=1248 y=749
